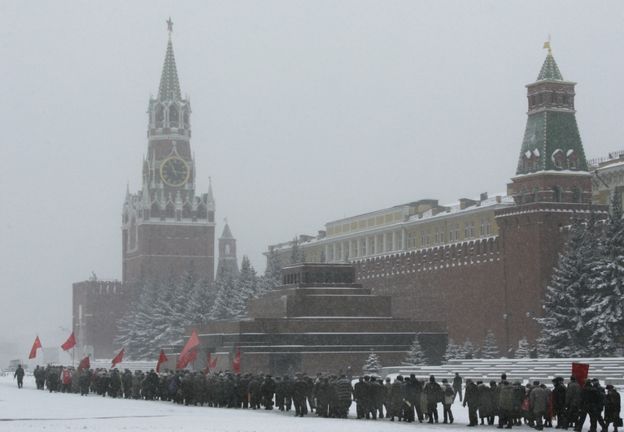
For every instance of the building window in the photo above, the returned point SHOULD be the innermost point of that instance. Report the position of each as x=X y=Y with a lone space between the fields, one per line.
x=363 y=246
x=389 y=242
x=558 y=159
x=576 y=195
x=399 y=240
x=556 y=194
x=468 y=230
x=379 y=243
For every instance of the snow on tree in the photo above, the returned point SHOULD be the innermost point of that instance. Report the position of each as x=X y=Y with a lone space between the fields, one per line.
x=224 y=286
x=273 y=271
x=468 y=349
x=453 y=351
x=604 y=316
x=415 y=355
x=489 y=349
x=245 y=289
x=524 y=348
x=202 y=299
x=372 y=366
x=563 y=329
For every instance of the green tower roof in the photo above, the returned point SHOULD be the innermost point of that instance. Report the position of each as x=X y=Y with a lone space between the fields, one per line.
x=552 y=141
x=550 y=70
x=169 y=88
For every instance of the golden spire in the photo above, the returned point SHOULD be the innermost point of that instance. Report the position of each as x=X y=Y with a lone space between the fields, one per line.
x=547 y=46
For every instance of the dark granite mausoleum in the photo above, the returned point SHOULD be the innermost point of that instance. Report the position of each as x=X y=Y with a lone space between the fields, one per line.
x=319 y=321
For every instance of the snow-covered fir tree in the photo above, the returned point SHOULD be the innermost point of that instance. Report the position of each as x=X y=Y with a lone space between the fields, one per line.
x=604 y=316
x=524 y=349
x=453 y=351
x=489 y=349
x=272 y=278
x=201 y=302
x=225 y=286
x=563 y=329
x=415 y=356
x=372 y=366
x=468 y=349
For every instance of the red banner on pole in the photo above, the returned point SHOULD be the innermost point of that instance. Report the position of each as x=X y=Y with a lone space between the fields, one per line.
x=189 y=352
x=162 y=358
x=118 y=358
x=85 y=363
x=35 y=347
x=580 y=371
x=69 y=343
x=236 y=363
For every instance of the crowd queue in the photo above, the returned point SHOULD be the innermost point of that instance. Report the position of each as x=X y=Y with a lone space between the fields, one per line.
x=503 y=404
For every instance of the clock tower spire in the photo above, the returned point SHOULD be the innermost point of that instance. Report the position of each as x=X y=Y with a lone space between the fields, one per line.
x=167 y=227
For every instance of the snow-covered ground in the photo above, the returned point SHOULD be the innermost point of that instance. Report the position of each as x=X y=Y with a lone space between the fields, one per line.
x=31 y=410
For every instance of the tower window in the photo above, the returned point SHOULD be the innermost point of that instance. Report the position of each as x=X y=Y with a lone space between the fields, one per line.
x=556 y=190
x=558 y=159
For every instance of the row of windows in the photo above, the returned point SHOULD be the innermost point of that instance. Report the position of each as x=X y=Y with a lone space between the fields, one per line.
x=393 y=241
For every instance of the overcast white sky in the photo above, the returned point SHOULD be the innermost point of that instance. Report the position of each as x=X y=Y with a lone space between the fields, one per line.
x=303 y=112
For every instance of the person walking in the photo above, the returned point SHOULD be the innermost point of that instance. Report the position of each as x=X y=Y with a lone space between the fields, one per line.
x=19 y=374
x=457 y=385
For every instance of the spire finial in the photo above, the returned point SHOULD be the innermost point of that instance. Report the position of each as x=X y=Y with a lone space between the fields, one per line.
x=547 y=45
x=169 y=26
x=225 y=221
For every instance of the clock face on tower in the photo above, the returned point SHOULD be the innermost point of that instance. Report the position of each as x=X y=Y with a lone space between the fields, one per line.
x=174 y=171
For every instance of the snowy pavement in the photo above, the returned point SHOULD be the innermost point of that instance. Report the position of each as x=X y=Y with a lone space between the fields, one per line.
x=29 y=409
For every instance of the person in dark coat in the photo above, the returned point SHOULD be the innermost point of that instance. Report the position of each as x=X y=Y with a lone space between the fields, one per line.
x=457 y=385
x=83 y=382
x=359 y=396
x=396 y=396
x=344 y=392
x=299 y=396
x=538 y=404
x=506 y=405
x=612 y=408
x=558 y=402
x=573 y=403
x=449 y=398
x=268 y=391
x=591 y=404
x=485 y=403
x=412 y=395
x=434 y=395
x=471 y=398
x=19 y=374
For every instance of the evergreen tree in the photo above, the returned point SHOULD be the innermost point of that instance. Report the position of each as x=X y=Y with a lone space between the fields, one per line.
x=273 y=271
x=468 y=349
x=524 y=348
x=563 y=330
x=489 y=349
x=202 y=300
x=225 y=287
x=415 y=355
x=372 y=366
x=246 y=286
x=453 y=351
x=604 y=316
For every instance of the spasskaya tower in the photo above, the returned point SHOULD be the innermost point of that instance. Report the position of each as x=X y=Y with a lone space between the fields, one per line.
x=168 y=228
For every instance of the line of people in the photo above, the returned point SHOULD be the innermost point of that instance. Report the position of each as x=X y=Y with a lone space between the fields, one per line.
x=504 y=404
x=537 y=405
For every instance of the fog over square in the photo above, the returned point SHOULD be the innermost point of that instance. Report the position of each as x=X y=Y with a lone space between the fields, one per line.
x=303 y=112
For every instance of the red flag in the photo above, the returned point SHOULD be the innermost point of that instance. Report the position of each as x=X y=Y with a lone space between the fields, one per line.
x=85 y=363
x=162 y=358
x=236 y=363
x=212 y=363
x=118 y=358
x=189 y=352
x=580 y=371
x=69 y=343
x=33 y=350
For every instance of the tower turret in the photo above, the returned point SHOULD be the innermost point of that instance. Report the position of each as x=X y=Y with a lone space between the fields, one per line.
x=228 y=262
x=167 y=227
x=552 y=166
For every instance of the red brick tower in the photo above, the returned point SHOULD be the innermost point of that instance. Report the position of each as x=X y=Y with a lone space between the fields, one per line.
x=168 y=228
x=551 y=186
